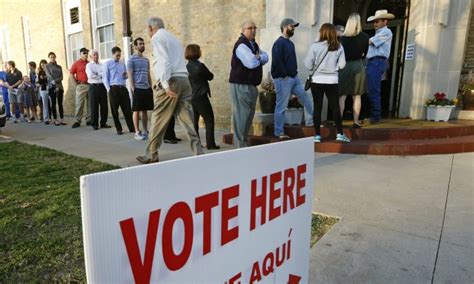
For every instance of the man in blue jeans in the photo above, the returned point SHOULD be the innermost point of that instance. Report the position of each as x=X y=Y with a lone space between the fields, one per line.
x=4 y=90
x=284 y=72
x=377 y=56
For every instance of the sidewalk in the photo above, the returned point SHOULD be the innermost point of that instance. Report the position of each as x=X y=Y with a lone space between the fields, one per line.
x=403 y=219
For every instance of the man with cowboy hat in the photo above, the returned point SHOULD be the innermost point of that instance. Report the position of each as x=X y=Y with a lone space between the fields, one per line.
x=379 y=52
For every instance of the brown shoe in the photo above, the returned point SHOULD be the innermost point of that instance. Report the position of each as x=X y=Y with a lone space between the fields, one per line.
x=146 y=160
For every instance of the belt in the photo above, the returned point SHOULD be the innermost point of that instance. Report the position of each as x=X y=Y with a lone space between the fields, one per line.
x=96 y=84
x=117 y=86
x=82 y=83
x=377 y=57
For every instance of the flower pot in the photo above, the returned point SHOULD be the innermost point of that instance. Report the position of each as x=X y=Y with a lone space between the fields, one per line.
x=438 y=113
x=267 y=102
x=293 y=116
x=468 y=100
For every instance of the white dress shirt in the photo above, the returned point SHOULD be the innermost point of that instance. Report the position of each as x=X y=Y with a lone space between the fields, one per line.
x=94 y=73
x=248 y=59
x=168 y=57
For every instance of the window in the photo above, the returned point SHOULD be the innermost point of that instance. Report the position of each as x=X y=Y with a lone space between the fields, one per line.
x=104 y=20
x=73 y=30
x=75 y=44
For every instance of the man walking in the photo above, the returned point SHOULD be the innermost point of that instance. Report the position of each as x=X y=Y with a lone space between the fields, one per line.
x=172 y=91
x=245 y=76
x=115 y=74
x=78 y=71
x=284 y=72
x=4 y=89
x=97 y=92
x=140 y=82
x=377 y=56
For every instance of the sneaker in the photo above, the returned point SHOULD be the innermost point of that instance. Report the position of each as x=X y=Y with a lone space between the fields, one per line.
x=15 y=120
x=342 y=138
x=138 y=136
x=145 y=135
x=317 y=139
x=76 y=125
x=283 y=136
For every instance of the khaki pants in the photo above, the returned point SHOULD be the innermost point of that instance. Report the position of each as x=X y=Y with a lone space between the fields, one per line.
x=82 y=99
x=165 y=108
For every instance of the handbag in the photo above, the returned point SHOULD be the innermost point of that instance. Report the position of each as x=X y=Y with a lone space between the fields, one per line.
x=309 y=80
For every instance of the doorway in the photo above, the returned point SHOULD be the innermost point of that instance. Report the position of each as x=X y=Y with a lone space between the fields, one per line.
x=391 y=85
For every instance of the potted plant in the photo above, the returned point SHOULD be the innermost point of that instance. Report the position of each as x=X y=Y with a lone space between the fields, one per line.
x=468 y=96
x=439 y=108
x=267 y=97
x=294 y=113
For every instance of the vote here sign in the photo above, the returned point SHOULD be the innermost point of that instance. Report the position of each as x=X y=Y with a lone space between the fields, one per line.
x=241 y=216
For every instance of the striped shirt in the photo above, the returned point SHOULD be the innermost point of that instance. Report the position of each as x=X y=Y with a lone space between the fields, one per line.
x=139 y=66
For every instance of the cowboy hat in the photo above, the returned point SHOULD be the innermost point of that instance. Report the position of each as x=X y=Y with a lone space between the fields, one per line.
x=381 y=14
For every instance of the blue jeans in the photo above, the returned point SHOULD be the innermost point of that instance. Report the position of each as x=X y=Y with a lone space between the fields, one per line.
x=6 y=101
x=375 y=69
x=284 y=88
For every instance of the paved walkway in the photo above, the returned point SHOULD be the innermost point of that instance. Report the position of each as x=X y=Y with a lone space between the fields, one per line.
x=403 y=219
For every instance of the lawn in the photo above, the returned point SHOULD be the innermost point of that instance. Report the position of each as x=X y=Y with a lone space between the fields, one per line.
x=40 y=214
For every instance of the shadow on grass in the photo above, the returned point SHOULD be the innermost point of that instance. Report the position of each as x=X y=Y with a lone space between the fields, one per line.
x=320 y=225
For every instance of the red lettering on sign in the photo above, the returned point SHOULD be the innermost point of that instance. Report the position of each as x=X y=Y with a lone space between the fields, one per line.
x=205 y=204
x=141 y=271
x=255 y=275
x=258 y=201
x=300 y=183
x=179 y=210
x=228 y=235
x=275 y=193
x=235 y=278
x=288 y=186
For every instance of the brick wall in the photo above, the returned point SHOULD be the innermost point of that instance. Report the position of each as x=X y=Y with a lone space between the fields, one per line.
x=214 y=25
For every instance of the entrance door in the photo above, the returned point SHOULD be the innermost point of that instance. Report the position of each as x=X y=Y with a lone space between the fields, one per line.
x=392 y=84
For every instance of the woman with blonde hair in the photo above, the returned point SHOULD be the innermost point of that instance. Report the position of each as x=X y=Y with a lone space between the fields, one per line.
x=352 y=77
x=325 y=57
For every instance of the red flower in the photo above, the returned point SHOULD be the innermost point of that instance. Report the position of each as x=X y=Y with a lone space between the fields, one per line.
x=440 y=96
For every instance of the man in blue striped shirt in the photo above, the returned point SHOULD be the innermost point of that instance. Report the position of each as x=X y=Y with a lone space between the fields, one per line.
x=115 y=74
x=138 y=68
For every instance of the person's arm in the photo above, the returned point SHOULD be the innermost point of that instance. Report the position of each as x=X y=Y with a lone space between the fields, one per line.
x=60 y=77
x=130 y=74
x=149 y=73
x=248 y=59
x=49 y=74
x=105 y=78
x=163 y=62
x=341 y=62
x=205 y=72
x=73 y=71
x=277 y=60
x=19 y=81
x=381 y=37
x=310 y=58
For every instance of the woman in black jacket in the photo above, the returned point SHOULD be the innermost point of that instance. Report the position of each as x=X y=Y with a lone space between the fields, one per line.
x=199 y=76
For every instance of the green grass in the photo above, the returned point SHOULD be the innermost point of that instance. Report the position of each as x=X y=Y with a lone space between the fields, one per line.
x=40 y=214
x=320 y=225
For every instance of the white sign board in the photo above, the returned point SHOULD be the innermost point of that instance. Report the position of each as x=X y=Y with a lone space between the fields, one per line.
x=241 y=216
x=410 y=51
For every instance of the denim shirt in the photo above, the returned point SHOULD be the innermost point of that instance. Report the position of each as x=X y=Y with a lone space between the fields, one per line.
x=381 y=43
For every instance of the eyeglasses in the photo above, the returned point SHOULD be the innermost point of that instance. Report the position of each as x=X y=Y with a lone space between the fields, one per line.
x=251 y=28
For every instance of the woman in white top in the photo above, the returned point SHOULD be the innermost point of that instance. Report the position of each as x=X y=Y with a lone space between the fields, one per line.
x=326 y=57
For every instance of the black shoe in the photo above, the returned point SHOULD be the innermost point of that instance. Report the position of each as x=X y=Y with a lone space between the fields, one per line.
x=95 y=127
x=105 y=126
x=76 y=125
x=88 y=123
x=169 y=141
x=119 y=132
x=177 y=139
x=46 y=122
x=356 y=126
x=215 y=147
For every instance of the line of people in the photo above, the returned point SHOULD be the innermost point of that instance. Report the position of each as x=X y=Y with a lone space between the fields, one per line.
x=340 y=68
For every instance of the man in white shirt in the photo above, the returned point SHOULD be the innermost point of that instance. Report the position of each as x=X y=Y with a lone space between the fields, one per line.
x=97 y=92
x=172 y=91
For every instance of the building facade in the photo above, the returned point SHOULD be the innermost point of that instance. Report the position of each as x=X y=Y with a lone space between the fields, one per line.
x=437 y=32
